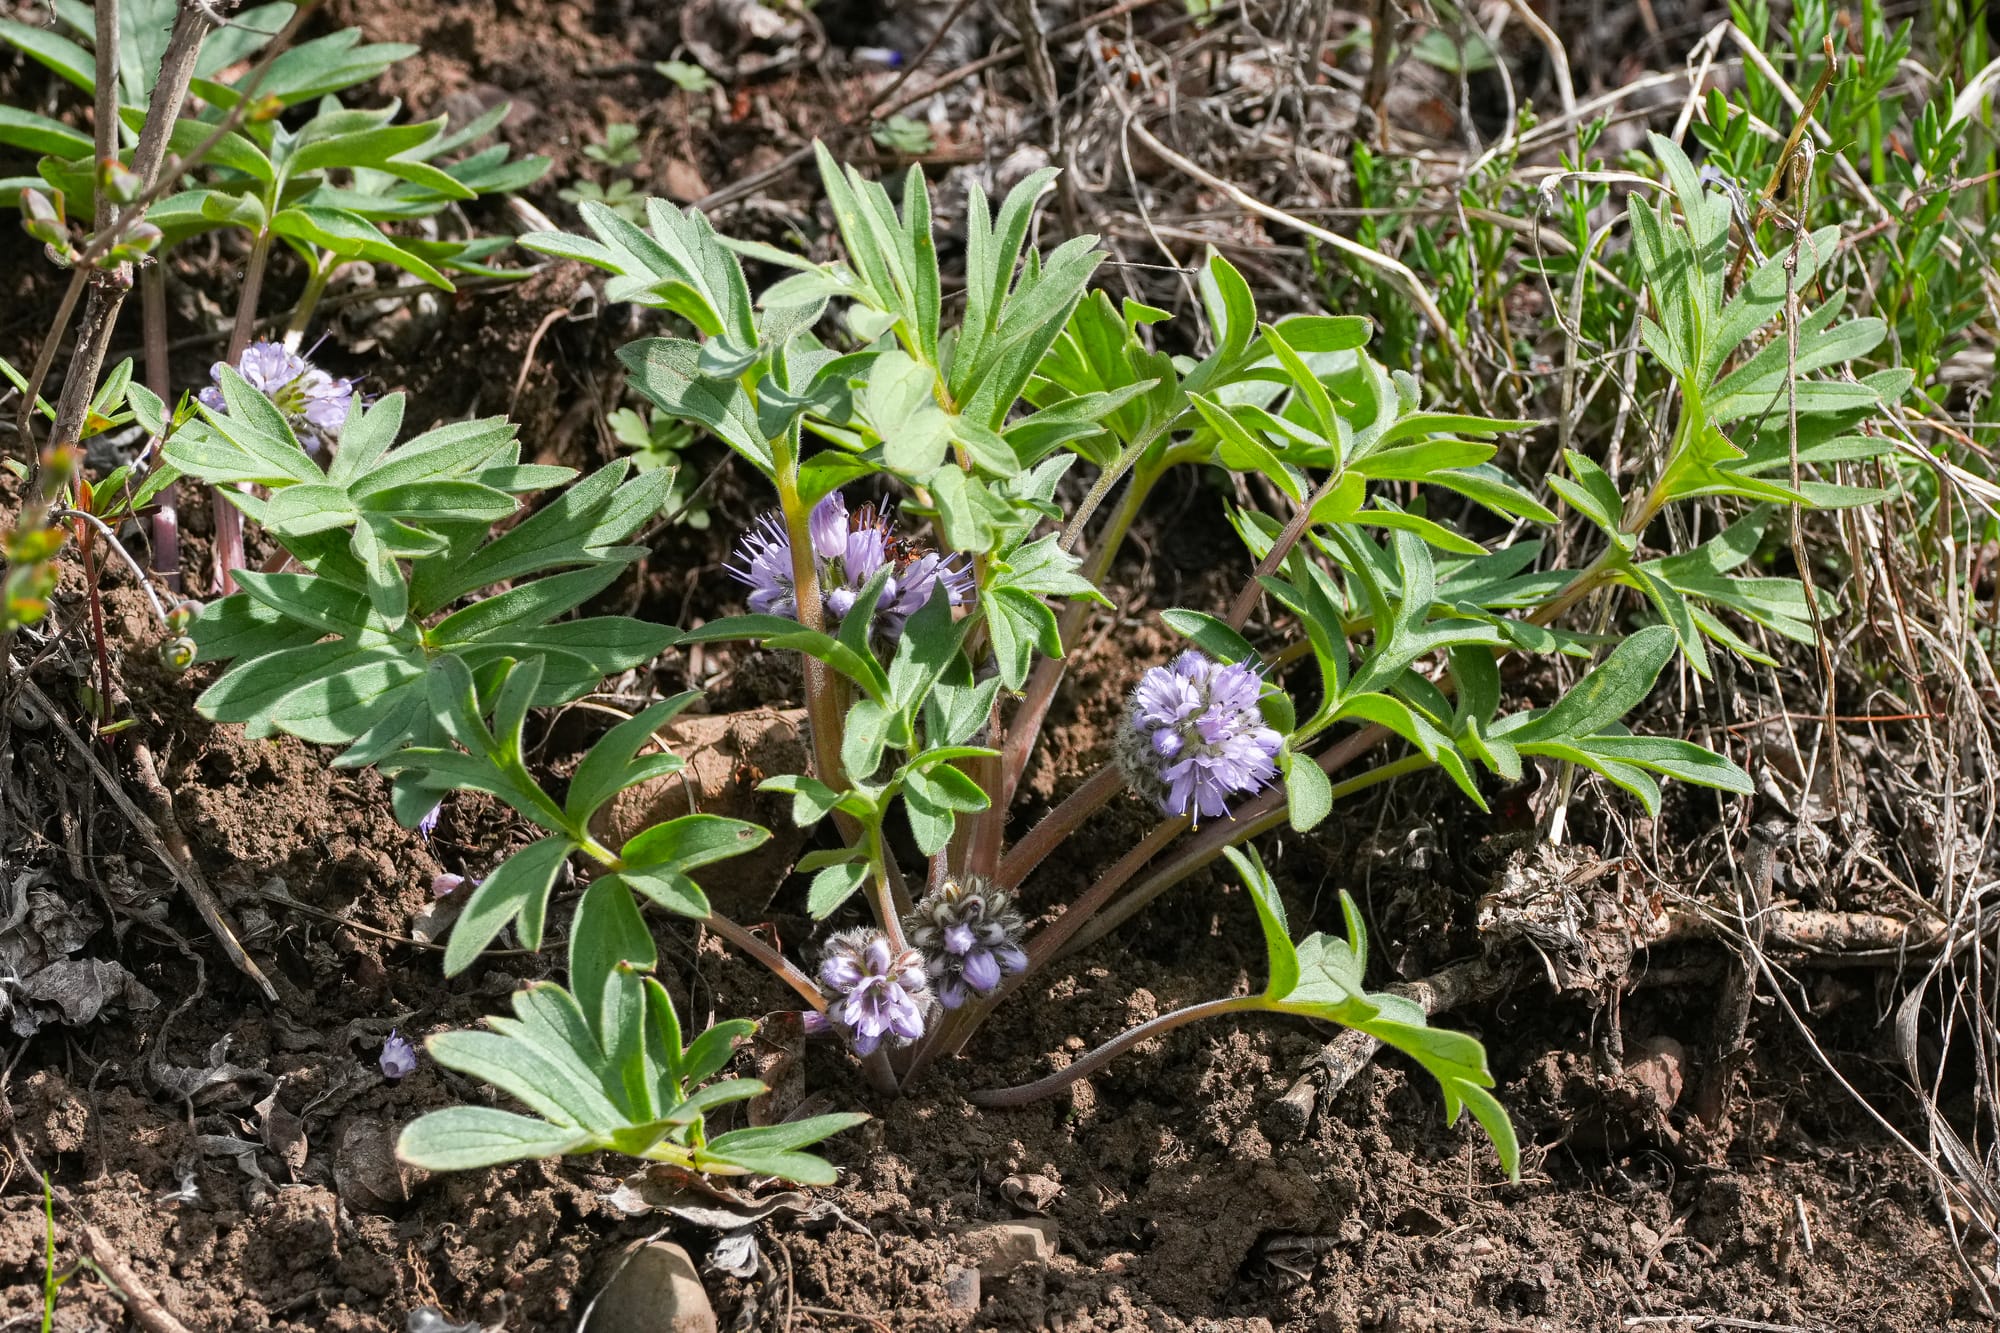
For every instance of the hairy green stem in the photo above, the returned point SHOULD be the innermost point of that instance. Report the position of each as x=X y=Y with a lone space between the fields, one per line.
x=248 y=294
x=1026 y=1093
x=824 y=713
x=822 y=705
x=890 y=897
x=1127 y=459
x=1246 y=600
x=976 y=838
x=229 y=555
x=316 y=280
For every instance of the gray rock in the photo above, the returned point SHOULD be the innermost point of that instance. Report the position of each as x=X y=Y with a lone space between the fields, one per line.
x=961 y=1289
x=656 y=1290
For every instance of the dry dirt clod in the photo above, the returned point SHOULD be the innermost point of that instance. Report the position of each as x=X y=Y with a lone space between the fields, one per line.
x=1656 y=1066
x=1030 y=1193
x=656 y=1290
x=1004 y=1247
x=726 y=755
x=365 y=1169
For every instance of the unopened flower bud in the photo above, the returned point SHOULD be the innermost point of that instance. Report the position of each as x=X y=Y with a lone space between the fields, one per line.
x=265 y=108
x=970 y=935
x=399 y=1058
x=182 y=615
x=120 y=182
x=177 y=655
x=141 y=239
x=42 y=219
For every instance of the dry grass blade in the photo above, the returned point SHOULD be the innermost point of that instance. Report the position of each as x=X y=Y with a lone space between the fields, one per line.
x=1419 y=294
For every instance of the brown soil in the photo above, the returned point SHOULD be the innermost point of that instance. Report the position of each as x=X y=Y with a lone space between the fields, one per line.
x=235 y=1152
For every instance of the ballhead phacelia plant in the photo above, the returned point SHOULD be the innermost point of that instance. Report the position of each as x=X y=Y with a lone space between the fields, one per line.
x=1399 y=569
x=314 y=402
x=1194 y=736
x=876 y=990
x=848 y=551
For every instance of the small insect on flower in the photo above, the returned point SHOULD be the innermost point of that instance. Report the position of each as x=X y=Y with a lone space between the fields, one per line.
x=313 y=401
x=399 y=1058
x=848 y=551
x=877 y=992
x=970 y=935
x=1194 y=737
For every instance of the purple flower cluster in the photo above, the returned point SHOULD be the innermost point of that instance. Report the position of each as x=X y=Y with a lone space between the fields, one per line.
x=849 y=550
x=1195 y=736
x=970 y=935
x=313 y=401
x=876 y=991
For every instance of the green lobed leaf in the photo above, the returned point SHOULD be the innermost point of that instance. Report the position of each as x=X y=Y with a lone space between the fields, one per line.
x=517 y=890
x=834 y=885
x=1609 y=691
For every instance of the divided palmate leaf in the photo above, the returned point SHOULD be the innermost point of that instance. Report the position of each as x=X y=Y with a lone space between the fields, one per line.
x=1322 y=977
x=619 y=1079
x=314 y=655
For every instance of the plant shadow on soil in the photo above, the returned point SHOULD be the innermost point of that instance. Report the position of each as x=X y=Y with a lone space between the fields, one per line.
x=260 y=1193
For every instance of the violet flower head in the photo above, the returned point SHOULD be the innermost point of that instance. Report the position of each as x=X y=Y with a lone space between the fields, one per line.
x=428 y=824
x=313 y=401
x=848 y=551
x=1195 y=738
x=399 y=1058
x=875 y=992
x=970 y=935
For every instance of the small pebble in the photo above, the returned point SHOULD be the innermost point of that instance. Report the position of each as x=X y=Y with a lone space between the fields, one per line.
x=961 y=1289
x=1005 y=1247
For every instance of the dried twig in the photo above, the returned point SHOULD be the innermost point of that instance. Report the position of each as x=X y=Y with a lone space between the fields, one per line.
x=164 y=837
x=144 y=1307
x=890 y=103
